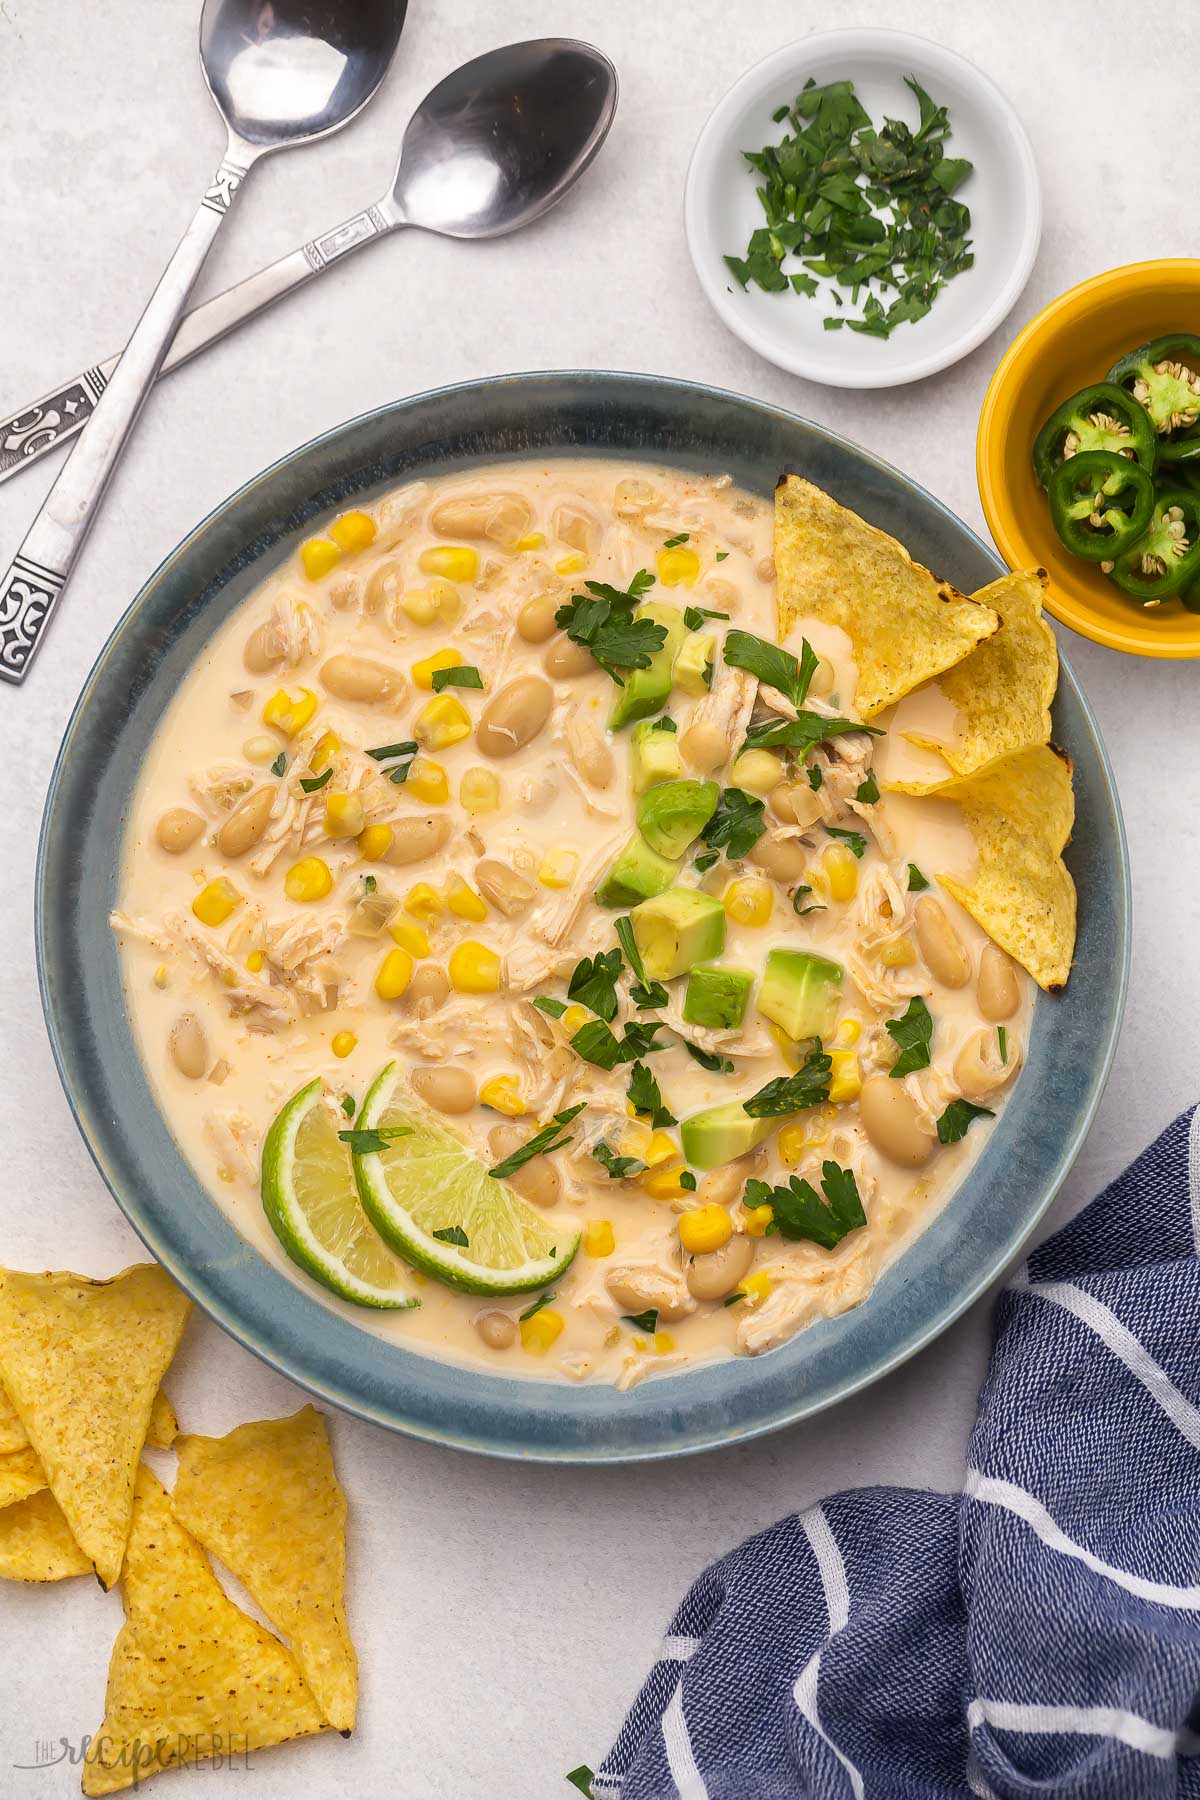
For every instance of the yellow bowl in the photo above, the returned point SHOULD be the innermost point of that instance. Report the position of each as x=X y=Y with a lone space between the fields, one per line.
x=1073 y=341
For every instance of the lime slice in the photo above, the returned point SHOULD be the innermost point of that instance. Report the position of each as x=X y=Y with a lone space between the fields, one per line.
x=428 y=1181
x=309 y=1198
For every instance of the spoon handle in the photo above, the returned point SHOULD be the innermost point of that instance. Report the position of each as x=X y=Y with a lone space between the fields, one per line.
x=31 y=586
x=39 y=427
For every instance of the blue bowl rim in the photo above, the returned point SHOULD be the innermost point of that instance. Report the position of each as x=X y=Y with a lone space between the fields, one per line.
x=197 y=1286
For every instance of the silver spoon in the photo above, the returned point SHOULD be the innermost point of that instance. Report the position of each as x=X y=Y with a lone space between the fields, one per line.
x=518 y=126
x=281 y=72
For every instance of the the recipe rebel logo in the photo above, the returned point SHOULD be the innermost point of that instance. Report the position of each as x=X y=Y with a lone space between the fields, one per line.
x=223 y=1752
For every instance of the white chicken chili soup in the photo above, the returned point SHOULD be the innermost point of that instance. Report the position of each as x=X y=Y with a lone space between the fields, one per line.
x=533 y=888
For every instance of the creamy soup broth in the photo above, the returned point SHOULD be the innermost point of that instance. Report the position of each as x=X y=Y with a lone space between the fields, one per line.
x=233 y=1017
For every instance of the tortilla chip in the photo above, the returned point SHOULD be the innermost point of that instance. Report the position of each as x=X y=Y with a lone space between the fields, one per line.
x=36 y=1542
x=1020 y=813
x=162 y=1432
x=191 y=1675
x=266 y=1501
x=82 y=1361
x=21 y=1474
x=904 y=624
x=1004 y=688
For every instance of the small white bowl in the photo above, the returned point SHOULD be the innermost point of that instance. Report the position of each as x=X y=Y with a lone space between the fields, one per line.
x=721 y=208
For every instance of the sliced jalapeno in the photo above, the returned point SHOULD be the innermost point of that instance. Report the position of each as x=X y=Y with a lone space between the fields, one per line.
x=1164 y=377
x=1166 y=560
x=1180 y=449
x=1100 y=504
x=1100 y=417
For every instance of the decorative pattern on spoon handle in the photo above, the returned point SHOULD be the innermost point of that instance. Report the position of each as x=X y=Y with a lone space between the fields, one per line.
x=320 y=252
x=38 y=428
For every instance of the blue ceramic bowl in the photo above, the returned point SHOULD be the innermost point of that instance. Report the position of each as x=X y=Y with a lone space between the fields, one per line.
x=285 y=1321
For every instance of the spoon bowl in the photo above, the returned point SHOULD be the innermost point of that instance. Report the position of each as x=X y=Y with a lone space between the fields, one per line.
x=500 y=141
x=284 y=71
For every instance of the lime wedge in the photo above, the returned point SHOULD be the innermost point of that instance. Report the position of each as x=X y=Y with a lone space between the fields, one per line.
x=309 y=1197
x=427 y=1181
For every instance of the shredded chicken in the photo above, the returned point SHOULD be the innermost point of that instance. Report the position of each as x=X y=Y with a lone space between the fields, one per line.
x=143 y=931
x=881 y=921
x=728 y=705
x=236 y=1142
x=553 y=919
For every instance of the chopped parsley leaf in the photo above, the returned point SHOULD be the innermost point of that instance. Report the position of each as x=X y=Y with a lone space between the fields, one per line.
x=956 y=1120
x=913 y=1033
x=687 y=1181
x=706 y=860
x=553 y=1009
x=708 y=1059
x=854 y=841
x=602 y=621
x=619 y=1168
x=808 y=1086
x=673 y=543
x=737 y=824
x=581 y=1778
x=280 y=763
x=816 y=776
x=694 y=616
x=803 y=732
x=916 y=881
x=644 y=1321
x=369 y=884
x=775 y=667
x=370 y=1143
x=551 y=1137
x=315 y=783
x=801 y=893
x=347 y=1106
x=594 y=983
x=387 y=752
x=1002 y=1043
x=867 y=792
x=799 y=1213
x=542 y=1300
x=647 y=996
x=721 y=555
x=462 y=675
x=452 y=1234
x=645 y=1096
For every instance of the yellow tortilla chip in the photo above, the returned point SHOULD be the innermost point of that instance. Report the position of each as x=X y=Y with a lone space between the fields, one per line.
x=1004 y=688
x=191 y=1675
x=13 y=1435
x=82 y=1361
x=36 y=1542
x=21 y=1474
x=162 y=1432
x=265 y=1499
x=1020 y=813
x=904 y=624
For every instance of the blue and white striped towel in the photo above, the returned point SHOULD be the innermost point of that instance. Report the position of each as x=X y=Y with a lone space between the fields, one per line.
x=1037 y=1635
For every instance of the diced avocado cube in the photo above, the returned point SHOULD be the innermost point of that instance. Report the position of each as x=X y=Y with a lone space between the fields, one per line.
x=647 y=690
x=717 y=996
x=800 y=992
x=721 y=1134
x=693 y=670
x=677 y=930
x=638 y=874
x=675 y=812
x=655 y=755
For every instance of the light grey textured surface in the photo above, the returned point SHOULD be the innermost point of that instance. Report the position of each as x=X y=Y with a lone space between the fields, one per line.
x=504 y=1615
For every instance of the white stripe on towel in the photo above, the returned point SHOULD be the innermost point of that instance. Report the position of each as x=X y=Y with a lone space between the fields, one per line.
x=1193 y=1164
x=991 y=1492
x=678 y=1649
x=680 y=1760
x=1125 y=1347
x=837 y=1602
x=1085 y=1721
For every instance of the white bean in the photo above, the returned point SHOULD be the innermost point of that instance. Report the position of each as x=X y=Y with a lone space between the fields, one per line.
x=446 y=1088
x=891 y=1120
x=189 y=1046
x=515 y=716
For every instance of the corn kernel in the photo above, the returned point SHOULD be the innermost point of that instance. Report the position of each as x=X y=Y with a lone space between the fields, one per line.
x=260 y=749
x=792 y=1143
x=410 y=936
x=570 y=565
x=678 y=567
x=845 y=1081
x=290 y=713
x=664 y=1343
x=557 y=868
x=463 y=901
x=344 y=816
x=255 y=961
x=423 y=902
x=538 y=1333
x=639 y=1343
x=755 y=1288
x=898 y=952
x=424 y=671
x=841 y=867
x=441 y=722
x=598 y=1238
x=229 y=978
x=214 y=903
x=474 y=969
x=395 y=973
x=161 y=975
x=757 y=1219
x=533 y=540
x=427 y=780
x=447 y=599
x=748 y=900
x=848 y=1032
x=318 y=556
x=353 y=531
x=479 y=791
x=456 y=562
x=662 y=1181
x=661 y=1148
x=705 y=1230
x=419 y=605
x=309 y=879
x=574 y=1019
x=787 y=1047
x=503 y=1094
x=343 y=1043
x=324 y=751
x=757 y=771
x=375 y=842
